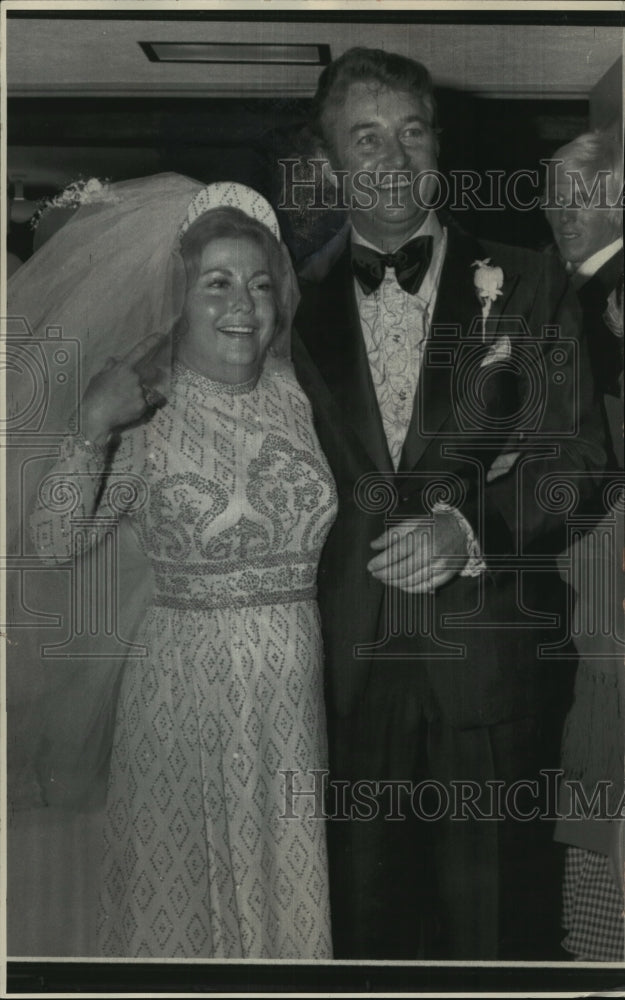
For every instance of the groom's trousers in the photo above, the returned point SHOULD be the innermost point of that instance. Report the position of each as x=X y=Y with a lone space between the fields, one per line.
x=432 y=853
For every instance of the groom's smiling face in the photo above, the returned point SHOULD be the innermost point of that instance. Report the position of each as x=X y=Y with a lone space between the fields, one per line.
x=384 y=136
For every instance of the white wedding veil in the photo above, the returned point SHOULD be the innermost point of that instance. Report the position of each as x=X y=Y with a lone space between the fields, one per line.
x=112 y=275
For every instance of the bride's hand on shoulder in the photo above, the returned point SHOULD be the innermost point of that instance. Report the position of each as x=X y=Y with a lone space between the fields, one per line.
x=116 y=396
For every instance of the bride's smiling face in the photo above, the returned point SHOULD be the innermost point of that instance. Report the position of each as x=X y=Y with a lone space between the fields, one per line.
x=230 y=311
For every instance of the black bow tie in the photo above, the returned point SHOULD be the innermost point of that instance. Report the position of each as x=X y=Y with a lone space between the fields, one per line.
x=410 y=263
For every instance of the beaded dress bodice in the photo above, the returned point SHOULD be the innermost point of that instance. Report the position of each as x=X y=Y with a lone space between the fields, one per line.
x=228 y=506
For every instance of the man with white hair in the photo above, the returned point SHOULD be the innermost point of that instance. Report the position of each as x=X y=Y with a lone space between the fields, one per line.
x=584 y=214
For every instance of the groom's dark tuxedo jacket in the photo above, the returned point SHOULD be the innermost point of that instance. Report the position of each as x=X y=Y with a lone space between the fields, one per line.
x=606 y=349
x=477 y=637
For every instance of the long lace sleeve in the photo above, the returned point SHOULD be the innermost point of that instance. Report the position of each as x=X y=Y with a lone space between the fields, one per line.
x=91 y=486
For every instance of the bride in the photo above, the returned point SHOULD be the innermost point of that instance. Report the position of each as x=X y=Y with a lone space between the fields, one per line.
x=194 y=431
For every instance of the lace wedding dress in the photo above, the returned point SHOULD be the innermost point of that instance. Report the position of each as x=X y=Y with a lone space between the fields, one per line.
x=199 y=860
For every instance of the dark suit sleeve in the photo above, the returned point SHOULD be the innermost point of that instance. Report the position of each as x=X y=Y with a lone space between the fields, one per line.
x=563 y=455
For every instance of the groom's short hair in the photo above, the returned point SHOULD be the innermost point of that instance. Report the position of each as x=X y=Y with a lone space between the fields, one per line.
x=387 y=69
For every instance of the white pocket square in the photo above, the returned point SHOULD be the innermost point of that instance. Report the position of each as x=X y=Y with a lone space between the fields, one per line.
x=500 y=350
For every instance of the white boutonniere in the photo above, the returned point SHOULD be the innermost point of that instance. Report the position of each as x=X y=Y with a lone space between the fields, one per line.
x=488 y=281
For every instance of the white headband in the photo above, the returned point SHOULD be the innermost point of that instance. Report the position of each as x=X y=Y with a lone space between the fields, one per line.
x=230 y=194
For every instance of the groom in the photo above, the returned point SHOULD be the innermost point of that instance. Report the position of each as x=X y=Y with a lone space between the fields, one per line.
x=438 y=588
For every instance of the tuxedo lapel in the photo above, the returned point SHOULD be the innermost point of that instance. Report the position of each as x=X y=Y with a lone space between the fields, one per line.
x=329 y=324
x=605 y=348
x=604 y=280
x=594 y=293
x=457 y=319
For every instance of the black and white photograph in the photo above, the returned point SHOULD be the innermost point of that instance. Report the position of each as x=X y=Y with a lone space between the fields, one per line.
x=314 y=632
